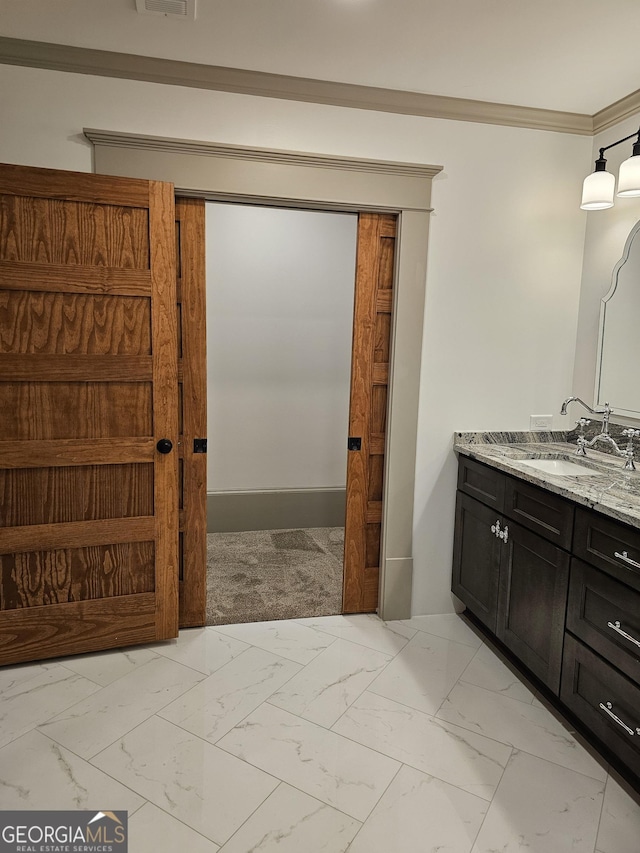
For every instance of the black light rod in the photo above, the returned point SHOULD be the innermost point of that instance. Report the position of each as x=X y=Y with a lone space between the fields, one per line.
x=613 y=144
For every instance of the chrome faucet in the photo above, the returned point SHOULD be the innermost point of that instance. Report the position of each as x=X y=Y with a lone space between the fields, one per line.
x=603 y=435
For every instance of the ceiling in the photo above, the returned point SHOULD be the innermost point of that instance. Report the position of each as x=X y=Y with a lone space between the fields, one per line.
x=552 y=54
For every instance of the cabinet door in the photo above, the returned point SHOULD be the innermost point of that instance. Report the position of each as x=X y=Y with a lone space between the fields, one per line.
x=534 y=578
x=476 y=559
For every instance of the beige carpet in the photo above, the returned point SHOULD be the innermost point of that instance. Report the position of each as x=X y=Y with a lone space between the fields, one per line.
x=274 y=574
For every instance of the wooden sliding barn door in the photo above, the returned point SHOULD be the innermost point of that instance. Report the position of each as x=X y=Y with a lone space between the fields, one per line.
x=88 y=413
x=368 y=410
x=192 y=367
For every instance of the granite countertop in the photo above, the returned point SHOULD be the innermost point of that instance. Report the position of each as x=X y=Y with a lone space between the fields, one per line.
x=611 y=490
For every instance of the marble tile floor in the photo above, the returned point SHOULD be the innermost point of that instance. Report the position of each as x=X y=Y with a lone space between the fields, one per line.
x=319 y=735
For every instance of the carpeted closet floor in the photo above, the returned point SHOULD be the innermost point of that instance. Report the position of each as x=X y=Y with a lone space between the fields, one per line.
x=261 y=575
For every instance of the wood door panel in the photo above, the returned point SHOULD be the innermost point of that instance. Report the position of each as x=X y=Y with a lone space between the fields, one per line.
x=192 y=410
x=376 y=478
x=378 y=421
x=80 y=493
x=368 y=411
x=66 y=323
x=372 y=534
x=21 y=276
x=67 y=368
x=77 y=186
x=38 y=578
x=38 y=632
x=387 y=252
x=383 y=338
x=75 y=534
x=88 y=331
x=55 y=231
x=71 y=451
x=32 y=411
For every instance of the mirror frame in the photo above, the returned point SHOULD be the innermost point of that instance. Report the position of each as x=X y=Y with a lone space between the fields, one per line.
x=626 y=413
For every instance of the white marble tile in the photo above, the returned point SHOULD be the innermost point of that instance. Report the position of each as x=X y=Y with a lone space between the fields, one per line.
x=285 y=638
x=420 y=813
x=91 y=725
x=488 y=671
x=32 y=701
x=292 y=822
x=424 y=672
x=152 y=830
x=36 y=773
x=201 y=785
x=106 y=667
x=450 y=626
x=367 y=629
x=12 y=676
x=217 y=704
x=326 y=687
x=541 y=807
x=620 y=821
x=525 y=727
x=204 y=649
x=470 y=761
x=337 y=771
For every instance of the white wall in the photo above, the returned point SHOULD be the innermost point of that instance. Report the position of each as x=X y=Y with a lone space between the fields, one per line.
x=280 y=288
x=607 y=232
x=505 y=247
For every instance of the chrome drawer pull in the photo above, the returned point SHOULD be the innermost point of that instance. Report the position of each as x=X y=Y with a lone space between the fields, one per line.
x=627 y=559
x=607 y=709
x=616 y=627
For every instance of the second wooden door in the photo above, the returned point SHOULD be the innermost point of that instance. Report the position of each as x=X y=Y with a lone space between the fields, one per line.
x=368 y=410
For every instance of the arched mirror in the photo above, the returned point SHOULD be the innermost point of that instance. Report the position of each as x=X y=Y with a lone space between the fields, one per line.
x=619 y=344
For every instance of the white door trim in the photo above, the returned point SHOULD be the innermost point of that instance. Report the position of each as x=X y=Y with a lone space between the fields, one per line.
x=321 y=182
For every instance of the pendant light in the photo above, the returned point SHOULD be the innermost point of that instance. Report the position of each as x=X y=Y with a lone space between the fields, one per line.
x=599 y=186
x=629 y=174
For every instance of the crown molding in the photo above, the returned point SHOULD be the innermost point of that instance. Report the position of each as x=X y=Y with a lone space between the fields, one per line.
x=115 y=139
x=57 y=57
x=615 y=113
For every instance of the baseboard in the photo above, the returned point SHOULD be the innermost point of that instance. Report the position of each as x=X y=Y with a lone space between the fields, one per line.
x=229 y=512
x=395 y=599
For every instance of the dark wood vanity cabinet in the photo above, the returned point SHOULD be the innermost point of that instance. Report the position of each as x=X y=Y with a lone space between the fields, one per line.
x=513 y=576
x=559 y=586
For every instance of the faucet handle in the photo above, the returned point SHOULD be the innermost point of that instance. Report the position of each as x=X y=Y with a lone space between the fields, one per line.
x=629 y=452
x=631 y=433
x=582 y=423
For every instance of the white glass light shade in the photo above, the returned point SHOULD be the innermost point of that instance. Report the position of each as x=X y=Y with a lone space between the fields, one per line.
x=597 y=191
x=629 y=177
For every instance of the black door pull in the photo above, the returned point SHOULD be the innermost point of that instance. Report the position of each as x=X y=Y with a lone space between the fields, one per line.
x=164 y=445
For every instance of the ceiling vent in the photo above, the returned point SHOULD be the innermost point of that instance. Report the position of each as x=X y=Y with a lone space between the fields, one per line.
x=183 y=9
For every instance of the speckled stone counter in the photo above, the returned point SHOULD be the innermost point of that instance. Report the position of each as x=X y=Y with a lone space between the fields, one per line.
x=611 y=490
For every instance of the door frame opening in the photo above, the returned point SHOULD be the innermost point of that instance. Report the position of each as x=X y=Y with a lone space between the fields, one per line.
x=293 y=179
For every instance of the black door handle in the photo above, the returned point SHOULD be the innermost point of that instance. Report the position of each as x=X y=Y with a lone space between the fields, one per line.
x=164 y=445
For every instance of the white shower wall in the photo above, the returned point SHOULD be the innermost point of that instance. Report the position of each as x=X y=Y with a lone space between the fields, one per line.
x=280 y=290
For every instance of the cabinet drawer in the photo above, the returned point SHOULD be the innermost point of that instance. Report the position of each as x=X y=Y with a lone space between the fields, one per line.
x=609 y=545
x=481 y=482
x=604 y=699
x=598 y=605
x=545 y=513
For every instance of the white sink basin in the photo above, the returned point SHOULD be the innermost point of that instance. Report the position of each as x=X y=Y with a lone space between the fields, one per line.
x=560 y=467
